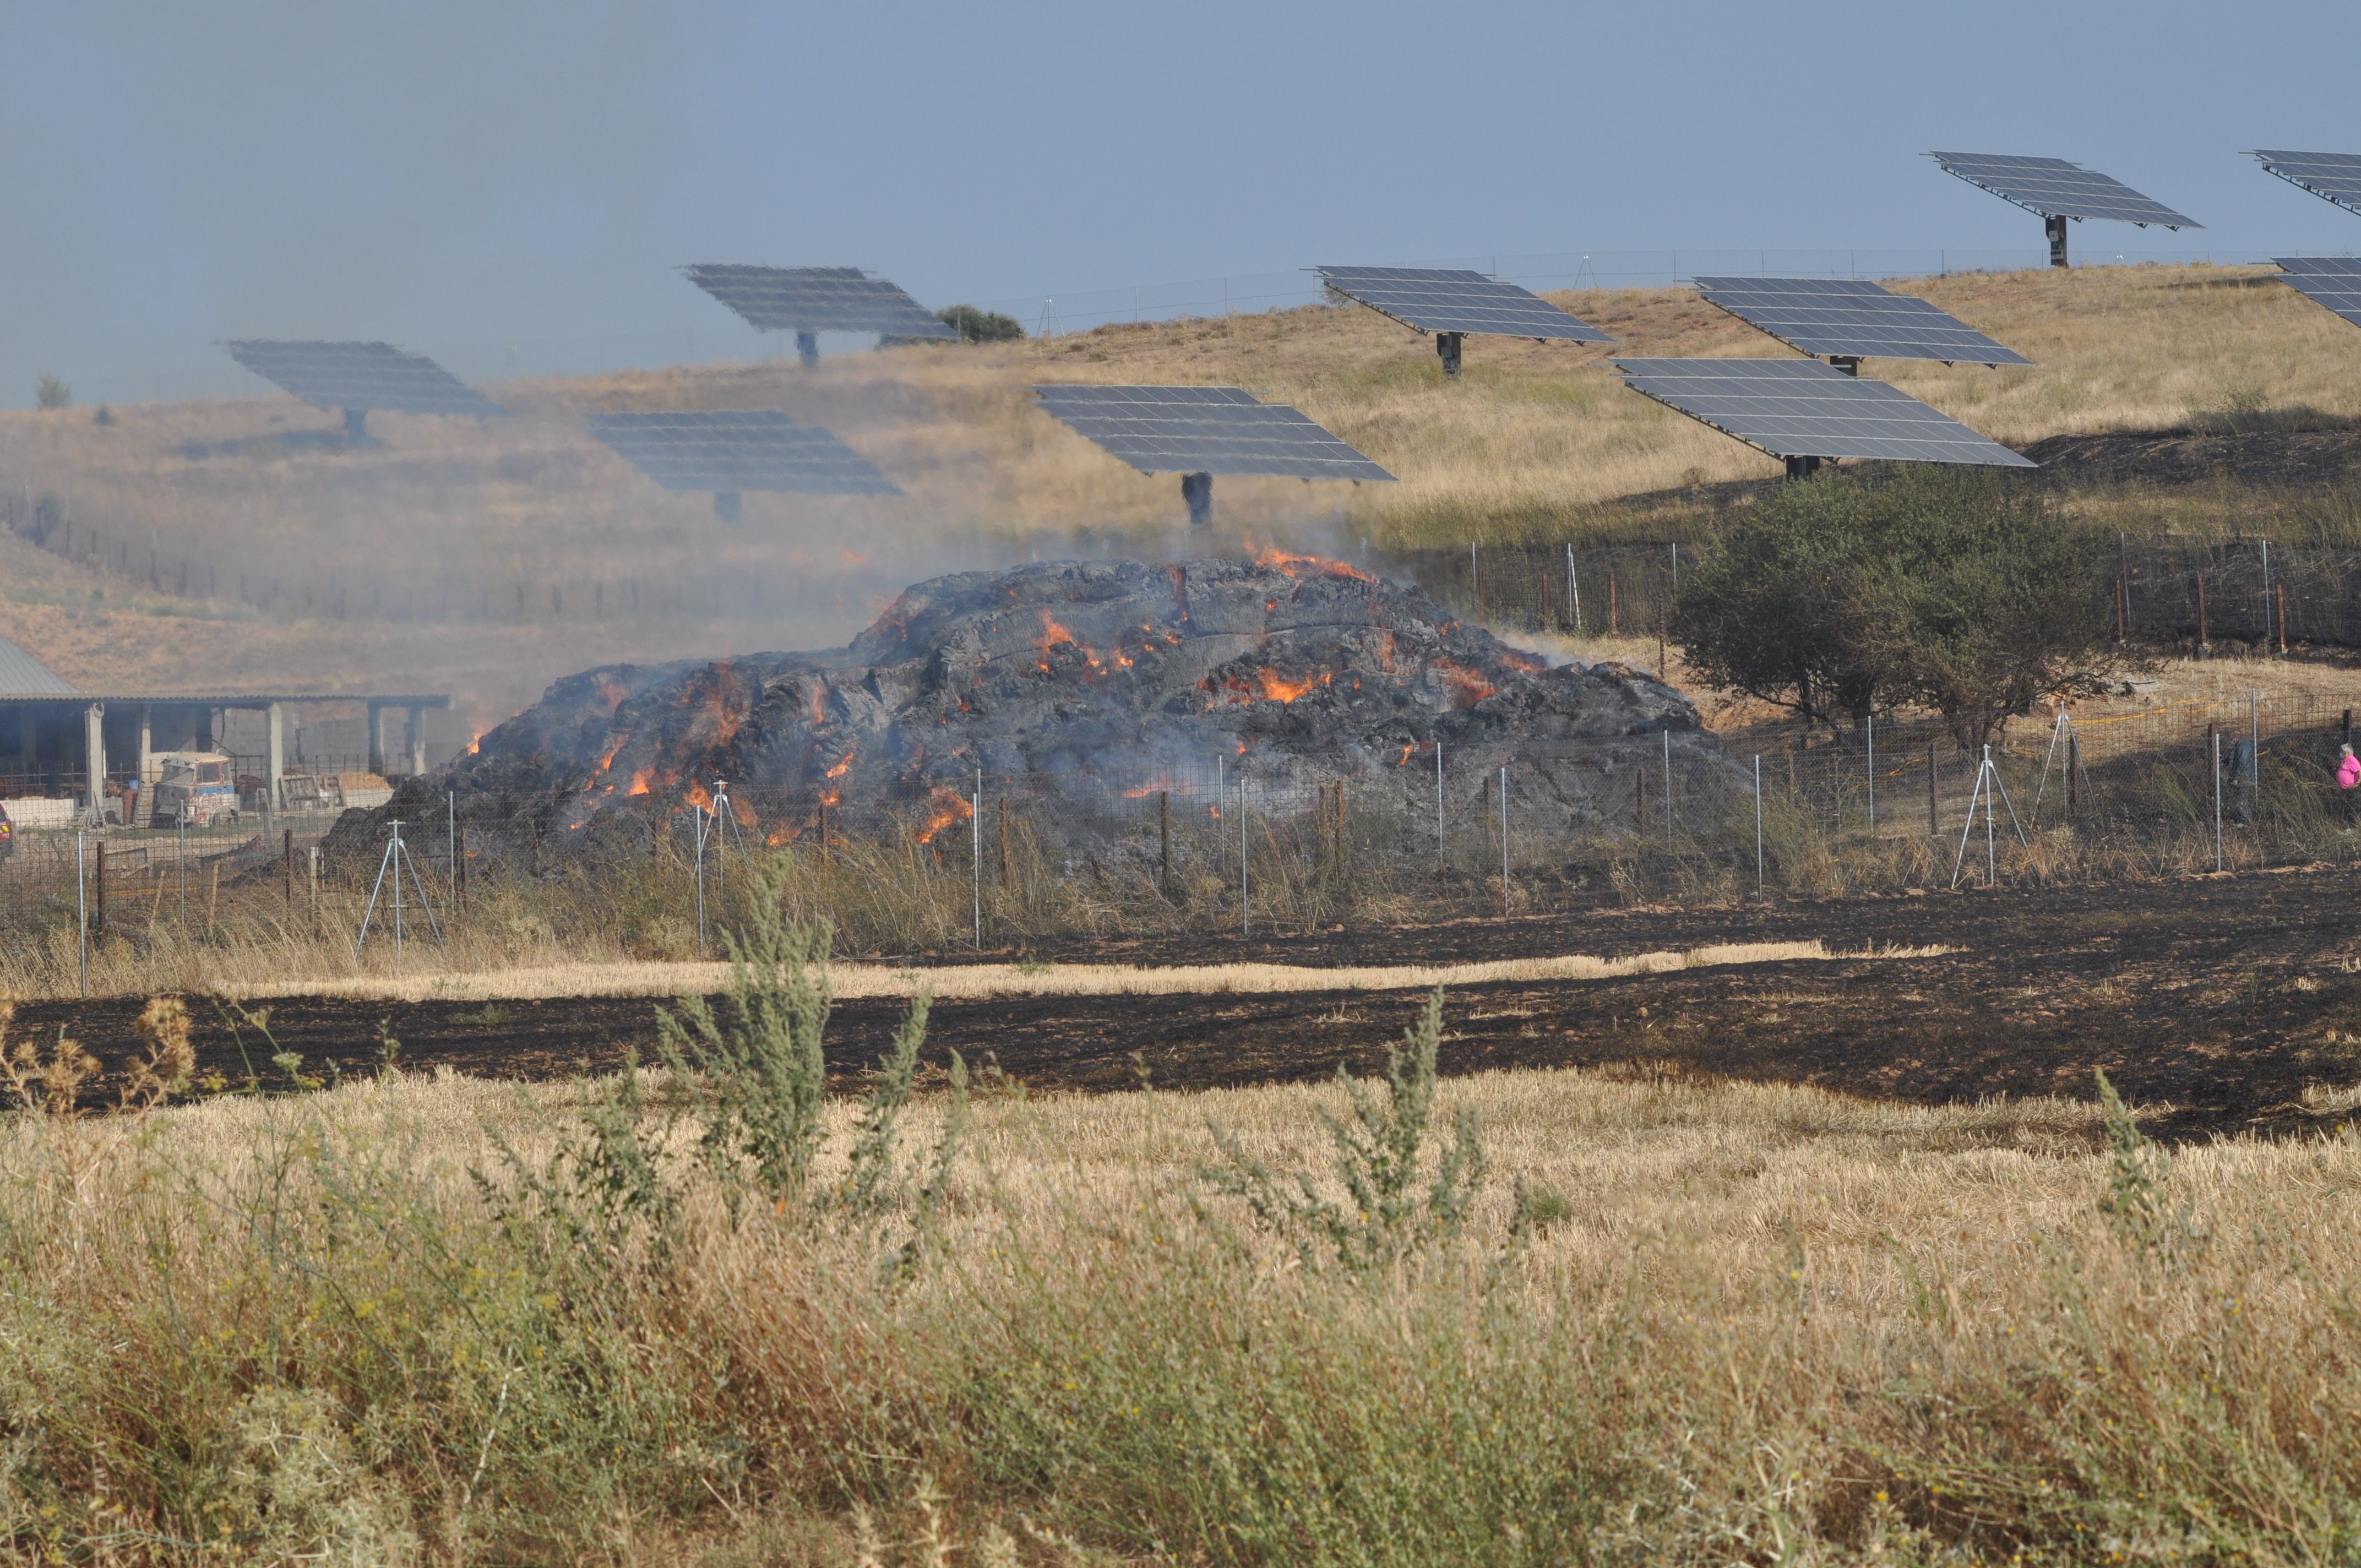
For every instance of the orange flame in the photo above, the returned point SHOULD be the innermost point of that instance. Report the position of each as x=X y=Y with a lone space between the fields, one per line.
x=838 y=770
x=1268 y=555
x=612 y=692
x=1277 y=688
x=944 y=809
x=640 y=782
x=1052 y=633
x=1468 y=686
x=698 y=799
x=1407 y=746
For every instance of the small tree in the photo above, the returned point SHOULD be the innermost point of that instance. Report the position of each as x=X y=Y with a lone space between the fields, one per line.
x=51 y=392
x=978 y=325
x=1841 y=596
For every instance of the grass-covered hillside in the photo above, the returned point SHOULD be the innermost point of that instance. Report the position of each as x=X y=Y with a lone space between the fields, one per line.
x=487 y=556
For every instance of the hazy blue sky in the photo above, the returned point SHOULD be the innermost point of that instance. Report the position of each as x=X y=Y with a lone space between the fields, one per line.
x=449 y=175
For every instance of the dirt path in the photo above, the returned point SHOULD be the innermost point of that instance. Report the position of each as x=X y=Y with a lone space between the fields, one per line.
x=2226 y=997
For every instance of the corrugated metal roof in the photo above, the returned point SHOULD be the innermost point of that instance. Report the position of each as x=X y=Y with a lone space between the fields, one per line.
x=21 y=674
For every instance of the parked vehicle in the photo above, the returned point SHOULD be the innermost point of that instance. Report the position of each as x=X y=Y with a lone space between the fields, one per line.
x=199 y=782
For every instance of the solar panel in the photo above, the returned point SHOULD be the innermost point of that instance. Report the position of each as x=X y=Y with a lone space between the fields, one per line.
x=361 y=375
x=1803 y=407
x=1439 y=299
x=818 y=299
x=1851 y=318
x=729 y=451
x=2331 y=176
x=2331 y=281
x=2054 y=188
x=1204 y=430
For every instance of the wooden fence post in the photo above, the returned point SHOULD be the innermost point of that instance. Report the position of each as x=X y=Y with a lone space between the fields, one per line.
x=1934 y=820
x=2204 y=638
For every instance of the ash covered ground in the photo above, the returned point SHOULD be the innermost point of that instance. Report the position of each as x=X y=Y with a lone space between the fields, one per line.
x=1085 y=678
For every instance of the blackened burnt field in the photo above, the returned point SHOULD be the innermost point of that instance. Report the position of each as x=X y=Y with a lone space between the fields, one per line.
x=2228 y=998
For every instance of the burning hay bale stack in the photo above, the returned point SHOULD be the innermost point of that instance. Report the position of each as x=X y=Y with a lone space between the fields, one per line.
x=1082 y=682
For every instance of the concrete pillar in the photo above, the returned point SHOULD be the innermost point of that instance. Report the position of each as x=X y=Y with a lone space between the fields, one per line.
x=417 y=739
x=93 y=741
x=376 y=739
x=146 y=745
x=275 y=767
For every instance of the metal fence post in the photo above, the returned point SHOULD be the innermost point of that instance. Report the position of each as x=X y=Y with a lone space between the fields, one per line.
x=975 y=867
x=1758 y=823
x=1244 y=908
x=1872 y=772
x=2214 y=737
x=1668 y=787
x=1438 y=800
x=1504 y=841
x=81 y=915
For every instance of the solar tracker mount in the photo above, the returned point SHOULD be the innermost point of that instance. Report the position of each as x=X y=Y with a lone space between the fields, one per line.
x=731 y=450
x=808 y=301
x=1806 y=413
x=1454 y=303
x=1847 y=319
x=2058 y=191
x=359 y=376
x=2331 y=176
x=1198 y=432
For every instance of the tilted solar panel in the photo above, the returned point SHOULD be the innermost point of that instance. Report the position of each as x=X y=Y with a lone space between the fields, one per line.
x=360 y=376
x=2054 y=188
x=1803 y=407
x=2331 y=281
x=1851 y=318
x=729 y=451
x=1204 y=430
x=1433 y=299
x=2331 y=176
x=818 y=299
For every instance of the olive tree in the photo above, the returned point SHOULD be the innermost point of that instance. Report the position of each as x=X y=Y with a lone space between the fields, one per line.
x=1844 y=596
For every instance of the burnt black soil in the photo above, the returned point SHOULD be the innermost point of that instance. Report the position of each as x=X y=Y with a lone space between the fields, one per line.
x=2226 y=997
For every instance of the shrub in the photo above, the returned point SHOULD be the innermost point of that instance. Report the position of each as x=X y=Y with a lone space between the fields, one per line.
x=1843 y=597
x=978 y=325
x=50 y=393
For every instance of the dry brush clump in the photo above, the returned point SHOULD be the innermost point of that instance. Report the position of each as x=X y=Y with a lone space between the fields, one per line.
x=1608 y=1317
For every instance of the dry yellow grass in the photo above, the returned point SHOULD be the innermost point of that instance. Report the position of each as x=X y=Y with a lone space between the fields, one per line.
x=1762 y=1324
x=450 y=516
x=949 y=981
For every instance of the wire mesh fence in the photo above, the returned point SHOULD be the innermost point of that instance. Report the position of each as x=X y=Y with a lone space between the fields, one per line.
x=1004 y=860
x=2159 y=592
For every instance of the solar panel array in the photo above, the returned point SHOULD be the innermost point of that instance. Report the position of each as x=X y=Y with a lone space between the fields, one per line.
x=1438 y=298
x=361 y=375
x=2331 y=281
x=732 y=450
x=2054 y=188
x=818 y=299
x=1204 y=430
x=1853 y=318
x=2332 y=176
x=1803 y=407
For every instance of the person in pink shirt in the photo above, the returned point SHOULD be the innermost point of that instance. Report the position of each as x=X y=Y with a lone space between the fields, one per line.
x=2348 y=776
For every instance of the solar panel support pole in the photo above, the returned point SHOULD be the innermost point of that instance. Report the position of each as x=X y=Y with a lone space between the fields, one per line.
x=1197 y=490
x=356 y=427
x=807 y=349
x=1802 y=467
x=1448 y=345
x=2056 y=223
x=726 y=505
x=1848 y=363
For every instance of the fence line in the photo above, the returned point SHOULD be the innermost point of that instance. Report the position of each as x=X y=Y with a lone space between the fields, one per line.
x=1053 y=855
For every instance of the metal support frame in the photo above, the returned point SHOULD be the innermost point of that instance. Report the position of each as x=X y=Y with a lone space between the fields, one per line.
x=1447 y=347
x=2065 y=753
x=94 y=740
x=1848 y=363
x=1988 y=785
x=1803 y=468
x=397 y=859
x=1197 y=490
x=2055 y=224
x=807 y=349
